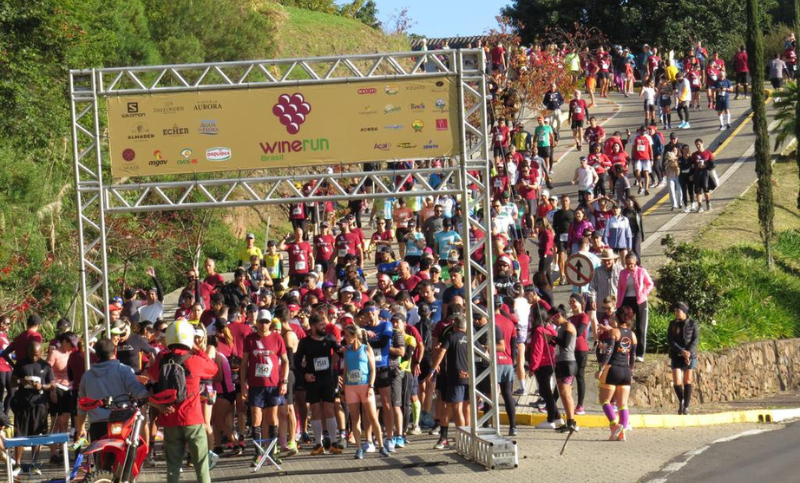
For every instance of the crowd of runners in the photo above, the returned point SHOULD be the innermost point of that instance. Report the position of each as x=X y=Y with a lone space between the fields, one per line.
x=339 y=339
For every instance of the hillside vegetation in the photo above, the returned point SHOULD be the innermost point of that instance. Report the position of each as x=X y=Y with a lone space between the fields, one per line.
x=39 y=42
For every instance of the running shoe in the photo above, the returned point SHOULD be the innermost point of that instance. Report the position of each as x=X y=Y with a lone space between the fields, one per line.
x=335 y=449
x=149 y=462
x=416 y=430
x=562 y=429
x=213 y=458
x=254 y=463
x=442 y=444
x=359 y=454
x=400 y=442
x=388 y=443
x=622 y=436
x=686 y=126
x=318 y=449
x=385 y=452
x=699 y=210
x=573 y=426
x=721 y=127
x=580 y=411
x=729 y=126
x=305 y=438
x=512 y=432
x=520 y=392
x=640 y=358
x=291 y=449
x=616 y=430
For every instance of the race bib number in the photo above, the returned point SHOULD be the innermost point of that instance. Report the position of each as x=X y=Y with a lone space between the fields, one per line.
x=712 y=77
x=641 y=148
x=342 y=253
x=563 y=237
x=498 y=138
x=498 y=183
x=297 y=210
x=264 y=370
x=665 y=97
x=378 y=355
x=577 y=110
x=542 y=137
x=300 y=266
x=273 y=271
x=322 y=363
x=354 y=376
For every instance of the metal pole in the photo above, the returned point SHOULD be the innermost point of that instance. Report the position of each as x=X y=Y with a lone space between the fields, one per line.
x=266 y=233
x=101 y=206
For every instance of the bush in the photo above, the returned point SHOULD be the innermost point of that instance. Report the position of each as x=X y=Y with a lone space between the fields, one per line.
x=689 y=278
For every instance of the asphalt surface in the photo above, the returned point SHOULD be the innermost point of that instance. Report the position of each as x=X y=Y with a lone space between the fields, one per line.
x=768 y=456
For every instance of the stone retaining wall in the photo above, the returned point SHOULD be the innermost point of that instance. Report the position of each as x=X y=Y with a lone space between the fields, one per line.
x=749 y=371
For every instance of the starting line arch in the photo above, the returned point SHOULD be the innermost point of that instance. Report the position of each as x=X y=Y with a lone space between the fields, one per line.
x=466 y=175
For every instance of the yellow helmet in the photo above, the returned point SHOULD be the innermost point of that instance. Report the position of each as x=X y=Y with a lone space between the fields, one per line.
x=180 y=332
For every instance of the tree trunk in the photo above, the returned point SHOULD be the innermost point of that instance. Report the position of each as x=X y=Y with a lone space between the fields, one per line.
x=755 y=52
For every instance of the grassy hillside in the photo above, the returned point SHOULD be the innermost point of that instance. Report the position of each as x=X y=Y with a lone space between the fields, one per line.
x=303 y=33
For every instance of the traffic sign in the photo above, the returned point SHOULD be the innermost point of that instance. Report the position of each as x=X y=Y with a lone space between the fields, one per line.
x=580 y=269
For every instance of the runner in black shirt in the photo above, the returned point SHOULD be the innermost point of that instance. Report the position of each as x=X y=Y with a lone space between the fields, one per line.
x=131 y=348
x=314 y=361
x=33 y=378
x=455 y=348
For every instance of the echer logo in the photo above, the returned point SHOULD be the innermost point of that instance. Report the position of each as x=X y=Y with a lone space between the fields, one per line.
x=367 y=90
x=218 y=154
x=128 y=155
x=175 y=131
x=291 y=111
x=441 y=125
x=417 y=125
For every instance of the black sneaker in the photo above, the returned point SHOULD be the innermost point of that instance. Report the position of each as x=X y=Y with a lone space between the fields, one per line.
x=686 y=410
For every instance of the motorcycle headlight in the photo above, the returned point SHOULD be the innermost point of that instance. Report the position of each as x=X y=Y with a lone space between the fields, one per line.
x=115 y=429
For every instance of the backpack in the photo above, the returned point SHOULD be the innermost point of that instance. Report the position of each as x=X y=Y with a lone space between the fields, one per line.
x=425 y=328
x=172 y=375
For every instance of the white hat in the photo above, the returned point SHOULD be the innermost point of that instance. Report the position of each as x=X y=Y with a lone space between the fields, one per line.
x=264 y=314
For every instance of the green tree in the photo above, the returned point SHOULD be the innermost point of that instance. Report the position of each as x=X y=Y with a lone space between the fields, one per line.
x=755 y=51
x=363 y=10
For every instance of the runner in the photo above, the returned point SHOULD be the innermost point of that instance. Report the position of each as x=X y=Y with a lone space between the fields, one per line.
x=615 y=375
x=704 y=183
x=578 y=110
x=565 y=368
x=722 y=90
x=454 y=347
x=682 y=342
x=740 y=65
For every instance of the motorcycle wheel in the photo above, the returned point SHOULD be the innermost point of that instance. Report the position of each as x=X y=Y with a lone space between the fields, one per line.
x=100 y=477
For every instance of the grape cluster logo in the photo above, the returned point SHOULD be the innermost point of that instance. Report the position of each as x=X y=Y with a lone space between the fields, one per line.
x=291 y=111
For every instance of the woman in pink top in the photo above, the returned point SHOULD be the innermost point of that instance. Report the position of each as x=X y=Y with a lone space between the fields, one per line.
x=633 y=288
x=61 y=397
x=222 y=410
x=5 y=367
x=577 y=228
x=541 y=365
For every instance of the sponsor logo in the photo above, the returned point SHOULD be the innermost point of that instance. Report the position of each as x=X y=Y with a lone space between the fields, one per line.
x=140 y=133
x=390 y=109
x=417 y=125
x=207 y=106
x=175 y=131
x=391 y=89
x=441 y=125
x=274 y=150
x=291 y=111
x=367 y=90
x=186 y=154
x=368 y=110
x=128 y=154
x=393 y=126
x=208 y=127
x=133 y=110
x=382 y=146
x=406 y=145
x=218 y=154
x=430 y=145
x=415 y=88
x=369 y=129
x=159 y=161
x=169 y=107
x=441 y=104
x=417 y=107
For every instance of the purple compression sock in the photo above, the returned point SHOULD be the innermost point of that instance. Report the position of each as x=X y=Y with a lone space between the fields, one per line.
x=608 y=409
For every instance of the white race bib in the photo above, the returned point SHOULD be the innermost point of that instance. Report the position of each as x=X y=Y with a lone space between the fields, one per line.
x=564 y=237
x=322 y=364
x=641 y=148
x=577 y=110
x=300 y=266
x=264 y=370
x=297 y=210
x=354 y=376
x=498 y=183
x=342 y=252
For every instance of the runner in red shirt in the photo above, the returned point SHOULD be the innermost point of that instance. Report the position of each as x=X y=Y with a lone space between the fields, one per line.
x=601 y=164
x=712 y=75
x=695 y=82
x=528 y=189
x=592 y=72
x=265 y=376
x=642 y=155
x=324 y=248
x=578 y=110
x=653 y=63
x=301 y=257
x=742 y=71
x=347 y=243
x=380 y=238
x=19 y=346
x=594 y=134
x=604 y=61
x=297 y=214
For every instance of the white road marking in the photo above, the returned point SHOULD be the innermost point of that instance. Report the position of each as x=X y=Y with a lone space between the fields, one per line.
x=744 y=434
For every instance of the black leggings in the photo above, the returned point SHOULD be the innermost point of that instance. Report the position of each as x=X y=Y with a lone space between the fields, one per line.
x=687 y=188
x=546 y=266
x=544 y=376
x=5 y=389
x=507 y=391
x=641 y=323
x=683 y=111
x=581 y=357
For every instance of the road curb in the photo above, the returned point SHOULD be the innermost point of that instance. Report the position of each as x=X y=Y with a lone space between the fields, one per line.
x=666 y=421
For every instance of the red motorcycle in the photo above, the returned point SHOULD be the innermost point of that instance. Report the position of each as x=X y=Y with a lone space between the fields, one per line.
x=120 y=453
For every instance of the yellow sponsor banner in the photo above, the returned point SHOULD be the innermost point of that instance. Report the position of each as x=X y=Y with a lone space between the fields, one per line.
x=197 y=132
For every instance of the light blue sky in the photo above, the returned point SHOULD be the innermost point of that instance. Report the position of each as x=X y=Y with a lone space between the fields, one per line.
x=443 y=18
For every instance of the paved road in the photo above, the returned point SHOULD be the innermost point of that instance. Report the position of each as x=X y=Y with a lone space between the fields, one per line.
x=769 y=456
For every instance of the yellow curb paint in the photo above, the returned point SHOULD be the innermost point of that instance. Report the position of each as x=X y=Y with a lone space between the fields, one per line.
x=660 y=421
x=716 y=153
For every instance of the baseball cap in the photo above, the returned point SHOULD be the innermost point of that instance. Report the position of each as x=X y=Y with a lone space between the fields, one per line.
x=292 y=307
x=252 y=308
x=546 y=193
x=119 y=327
x=597 y=234
x=504 y=259
x=384 y=314
x=673 y=136
x=436 y=268
x=412 y=223
x=383 y=275
x=324 y=224
x=271 y=243
x=116 y=300
x=264 y=314
x=328 y=284
x=314 y=274
x=250 y=235
x=446 y=222
x=384 y=249
x=114 y=308
x=399 y=316
x=348 y=289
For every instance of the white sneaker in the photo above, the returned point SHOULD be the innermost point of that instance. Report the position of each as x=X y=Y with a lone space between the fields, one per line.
x=686 y=209
x=700 y=210
x=370 y=448
x=415 y=430
x=213 y=458
x=546 y=425
x=694 y=206
x=639 y=359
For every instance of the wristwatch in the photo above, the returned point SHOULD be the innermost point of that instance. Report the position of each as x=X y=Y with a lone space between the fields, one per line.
x=285 y=381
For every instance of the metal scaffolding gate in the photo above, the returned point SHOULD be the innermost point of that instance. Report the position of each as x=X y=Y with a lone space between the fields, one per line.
x=466 y=176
